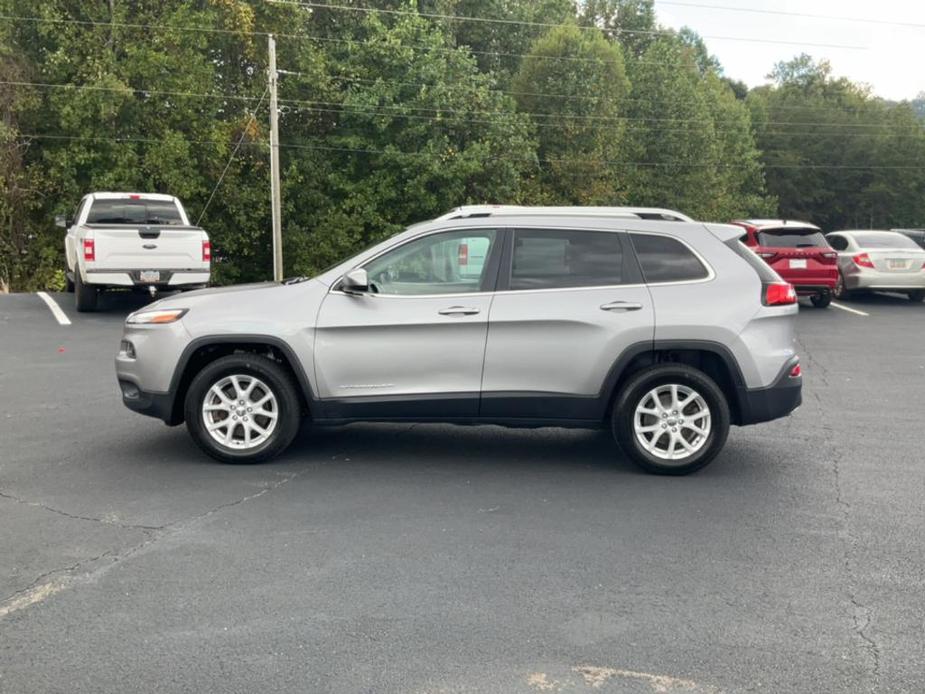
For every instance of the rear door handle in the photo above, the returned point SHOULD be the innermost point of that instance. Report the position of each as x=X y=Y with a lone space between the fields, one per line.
x=458 y=311
x=621 y=306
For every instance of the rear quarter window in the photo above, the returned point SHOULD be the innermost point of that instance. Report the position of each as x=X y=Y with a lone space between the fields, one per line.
x=664 y=259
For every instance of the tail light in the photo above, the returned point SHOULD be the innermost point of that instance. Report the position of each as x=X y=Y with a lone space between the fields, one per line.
x=767 y=254
x=89 y=250
x=206 y=251
x=863 y=260
x=830 y=256
x=779 y=294
x=796 y=371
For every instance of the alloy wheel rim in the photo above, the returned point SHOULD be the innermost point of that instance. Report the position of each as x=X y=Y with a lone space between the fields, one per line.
x=240 y=412
x=672 y=422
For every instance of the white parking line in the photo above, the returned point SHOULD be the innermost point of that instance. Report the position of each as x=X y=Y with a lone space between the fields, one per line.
x=55 y=309
x=849 y=310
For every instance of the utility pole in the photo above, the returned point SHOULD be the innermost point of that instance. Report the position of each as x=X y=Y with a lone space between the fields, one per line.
x=276 y=205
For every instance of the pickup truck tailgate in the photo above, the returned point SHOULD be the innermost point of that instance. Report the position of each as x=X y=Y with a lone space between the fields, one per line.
x=126 y=247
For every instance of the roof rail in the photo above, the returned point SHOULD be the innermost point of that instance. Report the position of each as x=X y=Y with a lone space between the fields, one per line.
x=653 y=213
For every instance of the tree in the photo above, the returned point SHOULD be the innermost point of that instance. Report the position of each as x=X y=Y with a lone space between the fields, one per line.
x=573 y=83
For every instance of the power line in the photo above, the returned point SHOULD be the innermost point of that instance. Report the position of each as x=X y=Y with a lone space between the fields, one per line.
x=446 y=114
x=786 y=13
x=234 y=153
x=313 y=37
x=145 y=91
x=516 y=22
x=578 y=160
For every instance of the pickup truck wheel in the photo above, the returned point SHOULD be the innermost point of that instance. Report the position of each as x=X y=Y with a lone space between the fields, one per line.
x=68 y=283
x=86 y=295
x=671 y=419
x=242 y=408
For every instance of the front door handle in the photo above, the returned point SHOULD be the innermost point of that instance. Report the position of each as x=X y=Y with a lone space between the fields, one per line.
x=458 y=311
x=621 y=306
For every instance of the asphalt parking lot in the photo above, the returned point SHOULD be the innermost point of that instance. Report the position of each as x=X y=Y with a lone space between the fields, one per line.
x=429 y=558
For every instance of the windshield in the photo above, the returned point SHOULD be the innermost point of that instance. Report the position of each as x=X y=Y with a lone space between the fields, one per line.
x=792 y=238
x=884 y=240
x=132 y=211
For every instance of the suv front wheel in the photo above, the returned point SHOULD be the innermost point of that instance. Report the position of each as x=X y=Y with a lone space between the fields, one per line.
x=671 y=419
x=242 y=408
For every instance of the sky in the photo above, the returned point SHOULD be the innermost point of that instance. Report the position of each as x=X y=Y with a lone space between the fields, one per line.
x=886 y=56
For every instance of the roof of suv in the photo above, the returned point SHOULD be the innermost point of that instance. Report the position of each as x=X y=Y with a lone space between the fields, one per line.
x=777 y=223
x=105 y=195
x=651 y=213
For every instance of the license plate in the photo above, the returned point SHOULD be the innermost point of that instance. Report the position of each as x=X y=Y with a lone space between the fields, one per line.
x=897 y=264
x=150 y=276
x=798 y=264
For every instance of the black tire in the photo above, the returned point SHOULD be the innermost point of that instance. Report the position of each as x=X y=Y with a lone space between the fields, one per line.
x=632 y=394
x=277 y=380
x=821 y=300
x=68 y=282
x=841 y=291
x=86 y=296
x=917 y=296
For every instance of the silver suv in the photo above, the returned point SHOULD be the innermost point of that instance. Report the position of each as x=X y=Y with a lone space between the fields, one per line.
x=665 y=331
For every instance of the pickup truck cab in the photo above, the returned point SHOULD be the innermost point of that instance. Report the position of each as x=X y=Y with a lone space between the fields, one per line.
x=133 y=240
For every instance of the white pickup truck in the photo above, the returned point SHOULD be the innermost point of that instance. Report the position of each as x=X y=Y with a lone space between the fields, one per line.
x=133 y=240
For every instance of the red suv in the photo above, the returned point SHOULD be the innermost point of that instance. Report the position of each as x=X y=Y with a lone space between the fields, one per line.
x=798 y=252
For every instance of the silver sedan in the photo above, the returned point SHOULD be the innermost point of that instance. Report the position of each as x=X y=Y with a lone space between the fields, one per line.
x=883 y=261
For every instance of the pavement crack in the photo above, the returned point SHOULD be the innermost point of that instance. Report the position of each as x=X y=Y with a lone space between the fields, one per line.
x=47 y=584
x=860 y=614
x=74 y=516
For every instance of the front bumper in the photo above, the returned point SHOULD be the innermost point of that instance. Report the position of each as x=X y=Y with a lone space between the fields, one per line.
x=158 y=405
x=778 y=400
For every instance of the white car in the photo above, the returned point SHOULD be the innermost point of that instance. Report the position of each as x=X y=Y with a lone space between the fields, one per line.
x=133 y=240
x=878 y=261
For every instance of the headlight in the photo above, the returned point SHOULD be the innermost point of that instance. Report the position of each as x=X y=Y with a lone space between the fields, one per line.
x=167 y=315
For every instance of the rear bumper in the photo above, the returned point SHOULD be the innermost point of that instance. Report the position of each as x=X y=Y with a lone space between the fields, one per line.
x=132 y=278
x=814 y=289
x=886 y=281
x=758 y=405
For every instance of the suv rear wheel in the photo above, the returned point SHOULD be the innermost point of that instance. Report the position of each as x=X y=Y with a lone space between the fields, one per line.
x=242 y=408
x=917 y=296
x=671 y=419
x=821 y=300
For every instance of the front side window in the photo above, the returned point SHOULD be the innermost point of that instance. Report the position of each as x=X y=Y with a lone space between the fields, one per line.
x=449 y=263
x=664 y=259
x=557 y=259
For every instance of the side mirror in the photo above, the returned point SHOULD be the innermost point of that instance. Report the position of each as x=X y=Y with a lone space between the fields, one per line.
x=62 y=221
x=356 y=281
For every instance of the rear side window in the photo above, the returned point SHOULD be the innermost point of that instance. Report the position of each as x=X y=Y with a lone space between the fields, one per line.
x=664 y=259
x=765 y=272
x=129 y=211
x=791 y=238
x=556 y=259
x=839 y=243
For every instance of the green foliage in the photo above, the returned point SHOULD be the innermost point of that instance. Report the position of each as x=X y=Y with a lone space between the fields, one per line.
x=574 y=81
x=391 y=118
